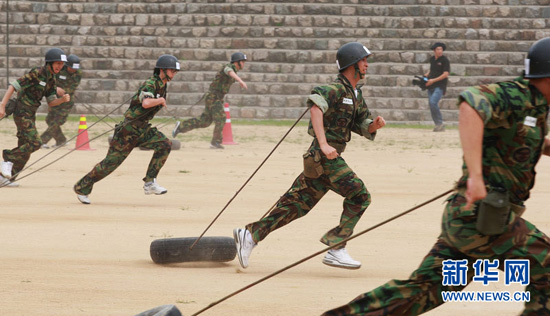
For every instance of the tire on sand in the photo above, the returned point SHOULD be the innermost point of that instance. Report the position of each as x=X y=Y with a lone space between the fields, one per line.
x=212 y=249
x=164 y=310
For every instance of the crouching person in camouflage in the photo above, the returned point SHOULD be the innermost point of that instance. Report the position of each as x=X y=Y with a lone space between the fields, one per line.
x=336 y=110
x=136 y=131
x=68 y=80
x=502 y=129
x=31 y=88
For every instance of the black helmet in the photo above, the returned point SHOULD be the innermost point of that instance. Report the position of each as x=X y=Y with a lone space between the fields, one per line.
x=537 y=63
x=73 y=61
x=237 y=57
x=167 y=62
x=55 y=54
x=349 y=54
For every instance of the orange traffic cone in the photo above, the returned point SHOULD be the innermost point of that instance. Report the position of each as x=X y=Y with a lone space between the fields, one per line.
x=82 y=142
x=227 y=133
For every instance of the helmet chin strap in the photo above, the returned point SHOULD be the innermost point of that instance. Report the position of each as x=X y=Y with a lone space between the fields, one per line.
x=166 y=75
x=361 y=75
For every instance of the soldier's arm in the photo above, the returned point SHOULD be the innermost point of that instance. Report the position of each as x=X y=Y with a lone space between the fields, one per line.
x=233 y=75
x=7 y=96
x=470 y=128
x=546 y=147
x=319 y=129
x=152 y=102
x=58 y=101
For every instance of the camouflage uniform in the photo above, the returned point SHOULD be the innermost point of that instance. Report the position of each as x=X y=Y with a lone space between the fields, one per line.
x=213 y=100
x=134 y=131
x=57 y=115
x=31 y=88
x=343 y=113
x=511 y=150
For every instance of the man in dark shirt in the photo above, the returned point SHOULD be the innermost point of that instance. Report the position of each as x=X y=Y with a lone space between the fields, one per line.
x=440 y=67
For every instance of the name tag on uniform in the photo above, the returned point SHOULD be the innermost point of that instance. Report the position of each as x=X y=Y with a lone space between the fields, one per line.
x=42 y=83
x=530 y=121
x=63 y=77
x=347 y=101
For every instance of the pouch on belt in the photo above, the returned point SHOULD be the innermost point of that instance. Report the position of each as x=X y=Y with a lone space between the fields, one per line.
x=493 y=213
x=312 y=164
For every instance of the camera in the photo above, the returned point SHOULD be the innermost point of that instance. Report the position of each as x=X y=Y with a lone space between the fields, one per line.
x=420 y=81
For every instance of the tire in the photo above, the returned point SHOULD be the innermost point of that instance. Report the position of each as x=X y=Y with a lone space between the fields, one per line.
x=173 y=250
x=164 y=310
x=176 y=145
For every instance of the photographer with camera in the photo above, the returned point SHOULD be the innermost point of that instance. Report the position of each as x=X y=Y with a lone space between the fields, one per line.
x=440 y=67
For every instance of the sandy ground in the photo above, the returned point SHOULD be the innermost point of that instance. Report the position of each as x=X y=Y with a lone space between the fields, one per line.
x=59 y=257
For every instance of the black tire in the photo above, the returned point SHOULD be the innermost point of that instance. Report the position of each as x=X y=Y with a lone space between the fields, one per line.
x=176 y=145
x=173 y=250
x=164 y=310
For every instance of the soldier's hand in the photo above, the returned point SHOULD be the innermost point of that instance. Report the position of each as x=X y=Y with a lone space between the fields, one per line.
x=475 y=191
x=60 y=91
x=377 y=124
x=329 y=151
x=243 y=85
x=2 y=111
x=66 y=98
x=162 y=101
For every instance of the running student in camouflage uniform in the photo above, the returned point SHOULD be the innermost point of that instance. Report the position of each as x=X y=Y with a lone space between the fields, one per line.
x=68 y=80
x=214 y=111
x=136 y=131
x=31 y=88
x=336 y=110
x=502 y=129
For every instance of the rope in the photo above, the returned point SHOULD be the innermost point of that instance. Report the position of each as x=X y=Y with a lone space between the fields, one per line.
x=249 y=178
x=41 y=168
x=320 y=252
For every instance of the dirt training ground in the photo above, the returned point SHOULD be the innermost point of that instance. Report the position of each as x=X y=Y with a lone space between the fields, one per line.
x=59 y=257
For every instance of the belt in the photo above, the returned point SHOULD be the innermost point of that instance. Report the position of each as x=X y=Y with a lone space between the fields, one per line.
x=135 y=122
x=514 y=207
x=340 y=147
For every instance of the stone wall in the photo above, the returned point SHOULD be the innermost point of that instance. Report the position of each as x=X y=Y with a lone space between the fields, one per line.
x=291 y=47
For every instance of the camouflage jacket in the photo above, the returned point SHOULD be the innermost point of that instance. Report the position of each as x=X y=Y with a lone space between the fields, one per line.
x=514 y=115
x=343 y=111
x=151 y=88
x=33 y=86
x=223 y=81
x=69 y=81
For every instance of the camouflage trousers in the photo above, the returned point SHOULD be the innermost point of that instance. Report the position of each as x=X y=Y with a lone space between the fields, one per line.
x=126 y=138
x=306 y=192
x=27 y=141
x=56 y=117
x=460 y=240
x=213 y=112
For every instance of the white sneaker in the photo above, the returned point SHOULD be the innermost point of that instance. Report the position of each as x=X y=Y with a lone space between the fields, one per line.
x=7 y=183
x=244 y=244
x=175 y=131
x=152 y=187
x=6 y=168
x=45 y=146
x=341 y=259
x=83 y=199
